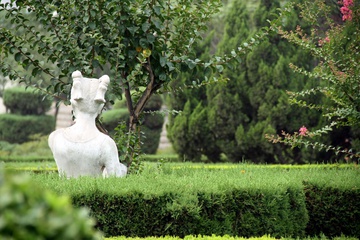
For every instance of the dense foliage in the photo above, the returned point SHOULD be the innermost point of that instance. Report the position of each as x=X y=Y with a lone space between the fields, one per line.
x=19 y=129
x=233 y=117
x=151 y=122
x=27 y=115
x=144 y=43
x=19 y=100
x=237 y=199
x=28 y=212
x=334 y=42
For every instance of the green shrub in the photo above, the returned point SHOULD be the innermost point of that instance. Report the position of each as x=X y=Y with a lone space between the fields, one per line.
x=153 y=121
x=150 y=140
x=332 y=211
x=120 y=103
x=237 y=212
x=178 y=202
x=179 y=199
x=26 y=101
x=6 y=148
x=151 y=127
x=28 y=212
x=18 y=129
x=112 y=118
x=225 y=237
x=157 y=158
x=154 y=104
x=36 y=146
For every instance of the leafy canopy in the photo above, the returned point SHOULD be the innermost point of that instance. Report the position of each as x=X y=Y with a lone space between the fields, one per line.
x=141 y=44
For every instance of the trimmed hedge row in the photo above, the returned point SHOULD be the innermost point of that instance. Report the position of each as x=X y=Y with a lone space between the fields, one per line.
x=225 y=237
x=241 y=200
x=18 y=129
x=26 y=101
x=145 y=158
x=332 y=211
x=237 y=212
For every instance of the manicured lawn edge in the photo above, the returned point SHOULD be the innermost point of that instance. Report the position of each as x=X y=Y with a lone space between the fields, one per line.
x=243 y=201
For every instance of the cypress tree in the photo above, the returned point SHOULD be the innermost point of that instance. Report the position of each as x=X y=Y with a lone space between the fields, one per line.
x=254 y=101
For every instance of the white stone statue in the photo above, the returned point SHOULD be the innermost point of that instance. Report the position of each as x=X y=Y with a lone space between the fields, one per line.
x=82 y=150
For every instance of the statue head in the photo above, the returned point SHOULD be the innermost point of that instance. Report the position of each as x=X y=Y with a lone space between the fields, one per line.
x=88 y=94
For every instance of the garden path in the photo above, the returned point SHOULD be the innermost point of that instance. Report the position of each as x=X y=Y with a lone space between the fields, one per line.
x=64 y=118
x=2 y=107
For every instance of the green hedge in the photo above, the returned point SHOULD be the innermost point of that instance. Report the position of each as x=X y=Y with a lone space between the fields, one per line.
x=112 y=118
x=238 y=212
x=150 y=140
x=18 y=129
x=332 y=210
x=225 y=237
x=154 y=103
x=240 y=200
x=153 y=121
x=26 y=101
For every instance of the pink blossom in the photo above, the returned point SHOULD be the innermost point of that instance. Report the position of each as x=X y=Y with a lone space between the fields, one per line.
x=302 y=131
x=345 y=9
x=323 y=41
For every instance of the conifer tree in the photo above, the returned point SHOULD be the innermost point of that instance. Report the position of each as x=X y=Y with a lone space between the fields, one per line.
x=254 y=101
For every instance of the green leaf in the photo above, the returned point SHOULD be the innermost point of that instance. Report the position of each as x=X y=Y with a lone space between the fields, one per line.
x=132 y=30
x=151 y=38
x=191 y=64
x=145 y=26
x=144 y=43
x=35 y=72
x=86 y=18
x=95 y=63
x=92 y=25
x=220 y=68
x=157 y=23
x=162 y=61
x=170 y=66
x=17 y=56
x=162 y=76
x=157 y=10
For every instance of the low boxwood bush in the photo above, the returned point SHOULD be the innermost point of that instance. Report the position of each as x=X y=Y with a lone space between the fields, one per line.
x=26 y=101
x=179 y=202
x=160 y=158
x=154 y=104
x=26 y=159
x=153 y=121
x=183 y=199
x=18 y=129
x=332 y=210
x=238 y=212
x=150 y=140
x=28 y=212
x=225 y=237
x=111 y=118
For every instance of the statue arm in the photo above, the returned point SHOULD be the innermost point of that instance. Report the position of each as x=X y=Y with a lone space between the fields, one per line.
x=112 y=164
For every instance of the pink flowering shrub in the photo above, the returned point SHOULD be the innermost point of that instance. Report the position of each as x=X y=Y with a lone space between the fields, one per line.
x=346 y=9
x=303 y=131
x=335 y=41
